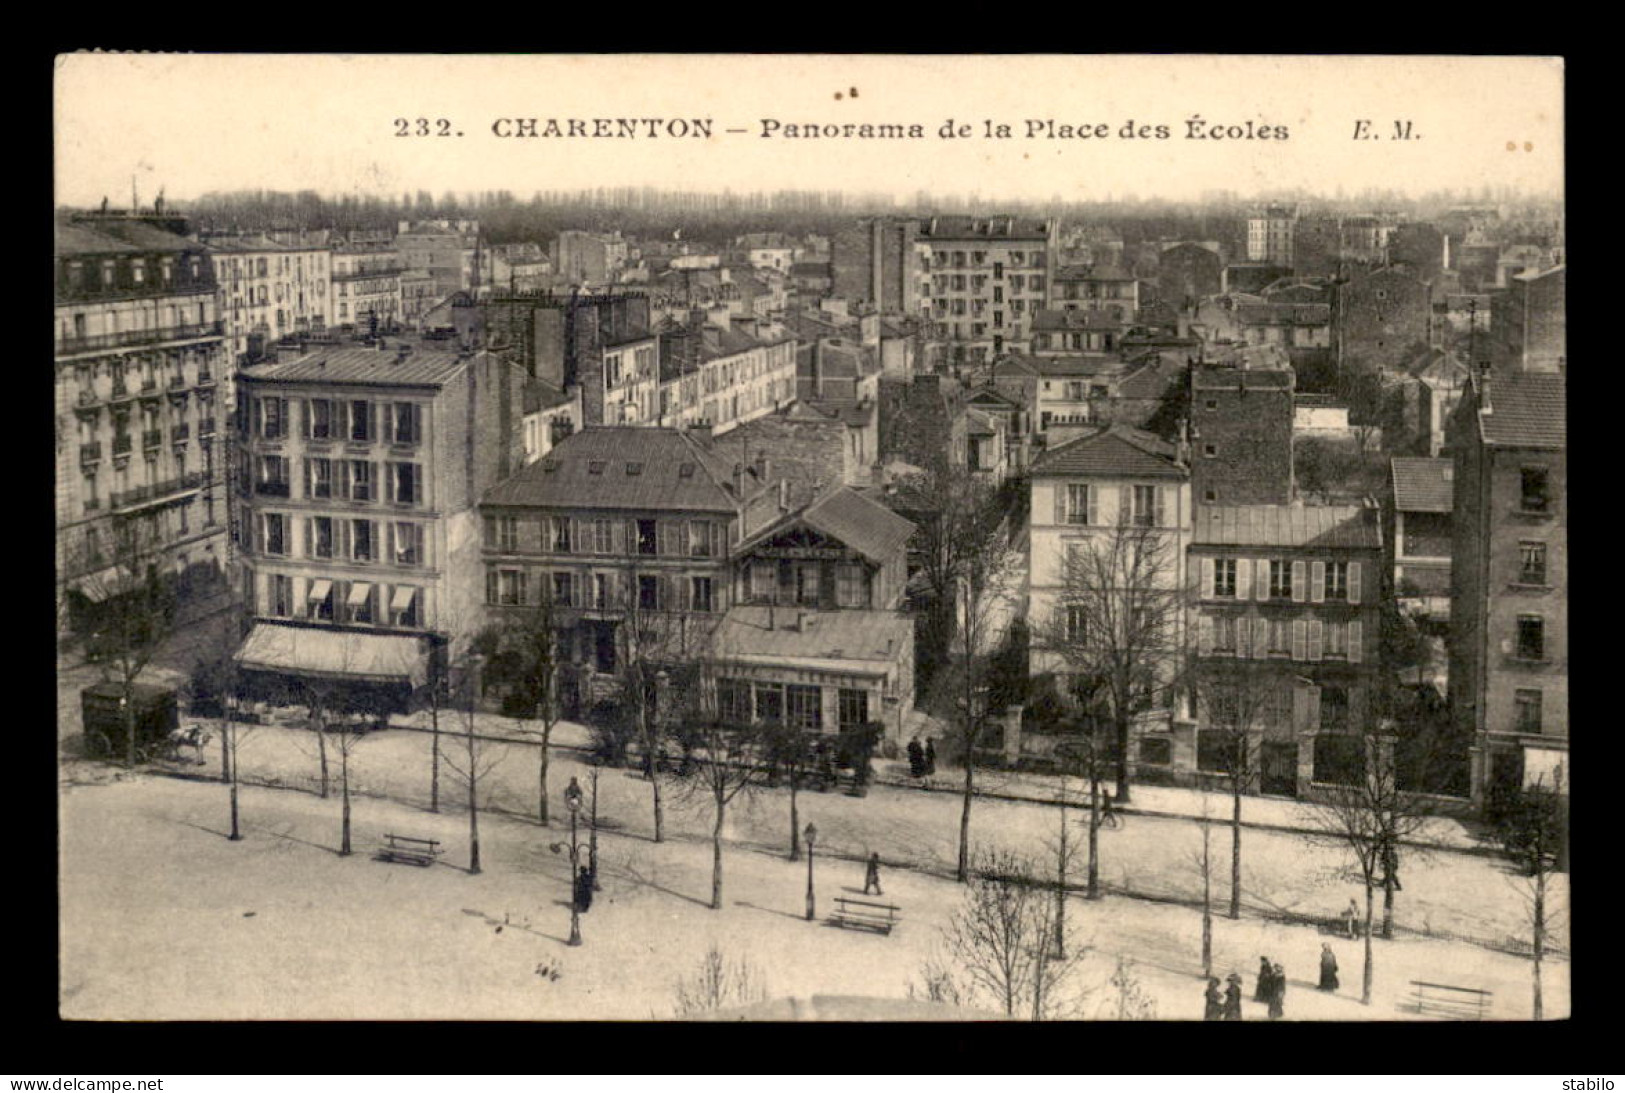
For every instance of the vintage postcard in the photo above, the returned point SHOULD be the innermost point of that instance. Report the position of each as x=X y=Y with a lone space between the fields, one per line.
x=797 y=537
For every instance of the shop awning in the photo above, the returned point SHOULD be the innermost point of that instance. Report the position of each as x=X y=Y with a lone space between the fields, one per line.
x=359 y=593
x=320 y=590
x=403 y=597
x=334 y=654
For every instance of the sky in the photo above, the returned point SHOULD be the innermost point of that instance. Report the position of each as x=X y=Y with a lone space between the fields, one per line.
x=191 y=124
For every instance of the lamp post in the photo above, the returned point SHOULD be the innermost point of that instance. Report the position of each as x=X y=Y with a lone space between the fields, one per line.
x=572 y=800
x=592 y=832
x=811 y=834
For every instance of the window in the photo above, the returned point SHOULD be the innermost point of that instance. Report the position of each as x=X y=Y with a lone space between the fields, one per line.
x=850 y=586
x=359 y=602
x=273 y=418
x=1077 y=624
x=853 y=706
x=1531 y=563
x=360 y=480
x=1531 y=637
x=505 y=587
x=1210 y=451
x=770 y=703
x=275 y=533
x=699 y=539
x=733 y=701
x=563 y=589
x=281 y=596
x=408 y=544
x=360 y=421
x=600 y=591
x=700 y=593
x=1528 y=706
x=561 y=535
x=805 y=707
x=1224 y=577
x=363 y=541
x=1337 y=580
x=1224 y=633
x=320 y=423
x=1336 y=640
x=807 y=585
x=1279 y=636
x=407 y=483
x=406 y=417
x=603 y=536
x=649 y=593
x=647 y=541
x=1281 y=580
x=1078 y=507
x=1147 y=507
x=319 y=478
x=272 y=480
x=1535 y=490
x=321 y=601
x=321 y=537
x=763 y=580
x=1334 y=709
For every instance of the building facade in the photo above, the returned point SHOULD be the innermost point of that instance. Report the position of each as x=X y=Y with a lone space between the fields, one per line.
x=269 y=291
x=141 y=361
x=1241 y=423
x=366 y=288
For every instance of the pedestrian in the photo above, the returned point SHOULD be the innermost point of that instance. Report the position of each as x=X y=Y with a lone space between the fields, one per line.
x=584 y=890
x=1107 y=816
x=1353 y=917
x=1277 y=992
x=1214 y=1008
x=1262 y=993
x=916 y=758
x=1232 y=997
x=930 y=757
x=1328 y=967
x=871 y=875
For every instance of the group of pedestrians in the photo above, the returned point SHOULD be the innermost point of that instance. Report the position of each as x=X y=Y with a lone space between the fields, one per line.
x=922 y=761
x=1270 y=990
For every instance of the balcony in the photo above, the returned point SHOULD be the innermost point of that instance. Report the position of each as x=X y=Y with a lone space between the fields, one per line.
x=90 y=453
x=87 y=398
x=205 y=427
x=121 y=390
x=86 y=343
x=149 y=383
x=177 y=382
x=141 y=495
x=181 y=432
x=271 y=489
x=123 y=443
x=152 y=438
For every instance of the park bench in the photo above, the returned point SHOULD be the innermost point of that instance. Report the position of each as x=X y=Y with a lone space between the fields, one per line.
x=1447 y=1002
x=405 y=849
x=863 y=915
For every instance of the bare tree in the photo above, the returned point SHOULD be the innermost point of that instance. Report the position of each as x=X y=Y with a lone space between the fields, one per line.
x=1117 y=625
x=1369 y=817
x=1085 y=752
x=1534 y=832
x=479 y=756
x=218 y=688
x=119 y=568
x=1129 y=1000
x=730 y=759
x=718 y=983
x=1238 y=702
x=789 y=757
x=1001 y=940
x=521 y=656
x=970 y=568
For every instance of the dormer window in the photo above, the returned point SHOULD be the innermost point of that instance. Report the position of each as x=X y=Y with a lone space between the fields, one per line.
x=634 y=468
x=595 y=467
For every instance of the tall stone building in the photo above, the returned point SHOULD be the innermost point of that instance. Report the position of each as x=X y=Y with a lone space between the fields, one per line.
x=1241 y=435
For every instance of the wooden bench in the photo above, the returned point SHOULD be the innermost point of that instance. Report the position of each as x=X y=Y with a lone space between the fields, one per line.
x=862 y=915
x=410 y=851
x=1448 y=1003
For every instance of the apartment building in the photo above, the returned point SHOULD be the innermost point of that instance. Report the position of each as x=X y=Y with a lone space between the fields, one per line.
x=988 y=277
x=1113 y=292
x=367 y=288
x=360 y=471
x=269 y=291
x=140 y=362
x=1241 y=423
x=723 y=375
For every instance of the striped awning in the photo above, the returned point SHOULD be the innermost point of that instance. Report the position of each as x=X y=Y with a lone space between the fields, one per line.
x=334 y=654
x=402 y=598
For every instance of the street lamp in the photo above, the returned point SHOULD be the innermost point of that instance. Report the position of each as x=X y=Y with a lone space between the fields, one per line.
x=592 y=831
x=811 y=834
x=572 y=801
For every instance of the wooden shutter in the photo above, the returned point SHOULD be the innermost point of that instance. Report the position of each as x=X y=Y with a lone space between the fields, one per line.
x=1204 y=635
x=1317 y=637
x=1261 y=637
x=1356 y=641
x=1162 y=506
x=1298 y=580
x=1060 y=502
x=389 y=542
x=490 y=586
x=1354 y=582
x=388 y=433
x=417 y=423
x=1261 y=578
x=1091 y=498
x=1300 y=639
x=1317 y=582
x=1208 y=591
x=1243 y=636
x=1125 y=505
x=1244 y=578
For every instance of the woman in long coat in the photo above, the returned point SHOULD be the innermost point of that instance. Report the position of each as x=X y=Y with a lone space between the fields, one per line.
x=1262 y=992
x=1232 y=998
x=1214 y=1009
x=1328 y=967
x=1277 y=992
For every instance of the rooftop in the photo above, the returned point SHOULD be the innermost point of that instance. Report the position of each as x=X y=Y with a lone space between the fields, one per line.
x=1076 y=319
x=1293 y=314
x=866 y=526
x=1219 y=378
x=1345 y=526
x=1078 y=364
x=1092 y=273
x=398 y=362
x=622 y=467
x=117 y=236
x=978 y=228
x=1423 y=485
x=784 y=633
x=1114 y=451
x=1527 y=410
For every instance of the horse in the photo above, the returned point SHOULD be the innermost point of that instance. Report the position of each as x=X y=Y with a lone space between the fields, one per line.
x=195 y=737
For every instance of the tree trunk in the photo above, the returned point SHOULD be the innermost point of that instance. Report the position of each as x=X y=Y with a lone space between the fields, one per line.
x=1365 y=979
x=1207 y=902
x=1540 y=935
x=1094 y=831
x=1060 y=891
x=716 y=858
x=795 y=818
x=474 y=801
x=660 y=825
x=225 y=753
x=1235 y=849
x=1122 y=759
x=321 y=752
x=129 y=723
x=963 y=873
x=228 y=744
x=1387 y=907
x=434 y=759
x=541 y=775
x=344 y=791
